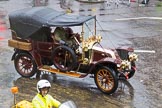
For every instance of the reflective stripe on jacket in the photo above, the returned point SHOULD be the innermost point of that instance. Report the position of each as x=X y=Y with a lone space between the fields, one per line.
x=45 y=102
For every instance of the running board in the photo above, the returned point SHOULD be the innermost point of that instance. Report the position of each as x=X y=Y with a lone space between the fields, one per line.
x=57 y=71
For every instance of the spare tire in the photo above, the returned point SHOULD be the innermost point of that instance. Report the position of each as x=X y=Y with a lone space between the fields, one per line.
x=64 y=58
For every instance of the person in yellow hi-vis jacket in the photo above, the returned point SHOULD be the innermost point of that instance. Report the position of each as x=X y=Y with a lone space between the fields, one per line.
x=43 y=99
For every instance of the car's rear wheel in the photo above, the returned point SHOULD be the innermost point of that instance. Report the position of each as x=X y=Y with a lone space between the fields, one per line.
x=25 y=65
x=64 y=58
x=106 y=80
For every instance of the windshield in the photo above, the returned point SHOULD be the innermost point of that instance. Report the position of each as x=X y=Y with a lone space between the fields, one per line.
x=89 y=29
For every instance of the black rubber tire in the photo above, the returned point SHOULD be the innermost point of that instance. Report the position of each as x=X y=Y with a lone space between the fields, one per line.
x=25 y=65
x=131 y=74
x=106 y=80
x=60 y=61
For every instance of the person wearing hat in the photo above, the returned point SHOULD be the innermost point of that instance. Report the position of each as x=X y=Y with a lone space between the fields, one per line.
x=43 y=99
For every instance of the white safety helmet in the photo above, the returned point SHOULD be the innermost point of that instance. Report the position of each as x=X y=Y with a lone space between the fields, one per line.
x=43 y=83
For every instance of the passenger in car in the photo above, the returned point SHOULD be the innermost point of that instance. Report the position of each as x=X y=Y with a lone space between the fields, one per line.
x=73 y=40
x=71 y=35
x=59 y=34
x=64 y=34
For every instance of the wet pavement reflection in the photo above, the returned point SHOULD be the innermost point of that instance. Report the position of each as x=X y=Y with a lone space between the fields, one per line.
x=130 y=94
x=67 y=88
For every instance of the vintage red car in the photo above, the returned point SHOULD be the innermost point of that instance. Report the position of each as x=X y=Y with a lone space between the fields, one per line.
x=44 y=40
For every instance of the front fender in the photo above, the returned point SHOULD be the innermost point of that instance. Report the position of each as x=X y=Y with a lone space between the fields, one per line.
x=108 y=62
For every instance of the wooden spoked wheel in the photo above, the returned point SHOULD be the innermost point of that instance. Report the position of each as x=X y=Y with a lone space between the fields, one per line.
x=25 y=65
x=106 y=80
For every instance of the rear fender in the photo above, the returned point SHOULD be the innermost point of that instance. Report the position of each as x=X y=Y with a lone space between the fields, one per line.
x=14 y=55
x=16 y=52
x=36 y=56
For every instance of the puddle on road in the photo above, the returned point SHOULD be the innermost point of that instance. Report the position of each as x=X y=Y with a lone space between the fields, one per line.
x=82 y=92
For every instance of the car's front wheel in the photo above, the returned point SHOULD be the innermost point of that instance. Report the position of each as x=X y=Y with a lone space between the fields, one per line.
x=25 y=65
x=106 y=80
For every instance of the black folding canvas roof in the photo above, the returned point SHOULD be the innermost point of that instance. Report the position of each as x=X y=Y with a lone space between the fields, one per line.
x=27 y=21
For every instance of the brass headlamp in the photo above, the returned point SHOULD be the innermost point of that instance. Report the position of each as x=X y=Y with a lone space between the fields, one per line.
x=133 y=57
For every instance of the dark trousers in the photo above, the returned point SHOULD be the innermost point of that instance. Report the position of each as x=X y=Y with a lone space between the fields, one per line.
x=143 y=2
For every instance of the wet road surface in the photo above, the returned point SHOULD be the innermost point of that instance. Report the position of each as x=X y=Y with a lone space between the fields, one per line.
x=144 y=90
